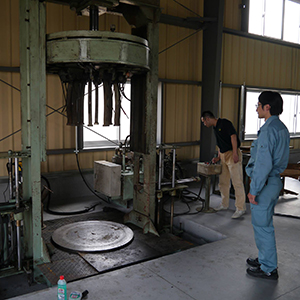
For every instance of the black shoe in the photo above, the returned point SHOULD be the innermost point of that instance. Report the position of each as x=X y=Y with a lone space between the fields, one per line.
x=253 y=262
x=258 y=272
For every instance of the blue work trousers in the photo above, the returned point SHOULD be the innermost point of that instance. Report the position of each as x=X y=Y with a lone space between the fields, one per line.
x=262 y=221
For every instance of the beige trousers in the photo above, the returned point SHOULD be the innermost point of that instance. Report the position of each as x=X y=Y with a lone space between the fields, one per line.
x=233 y=171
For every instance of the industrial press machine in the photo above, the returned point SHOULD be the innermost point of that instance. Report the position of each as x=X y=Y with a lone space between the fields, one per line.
x=83 y=57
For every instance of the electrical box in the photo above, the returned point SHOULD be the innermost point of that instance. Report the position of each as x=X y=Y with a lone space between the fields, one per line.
x=107 y=178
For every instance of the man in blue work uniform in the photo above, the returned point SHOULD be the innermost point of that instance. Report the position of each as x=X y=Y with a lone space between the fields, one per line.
x=269 y=157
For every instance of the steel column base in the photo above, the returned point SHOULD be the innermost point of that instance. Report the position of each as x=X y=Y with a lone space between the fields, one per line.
x=142 y=221
x=206 y=208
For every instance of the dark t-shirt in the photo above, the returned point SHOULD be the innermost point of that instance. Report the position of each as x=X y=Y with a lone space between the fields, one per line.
x=223 y=132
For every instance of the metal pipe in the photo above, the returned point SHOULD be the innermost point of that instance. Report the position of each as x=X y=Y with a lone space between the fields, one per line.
x=117 y=105
x=107 y=102
x=4 y=228
x=163 y=164
x=18 y=222
x=160 y=169
x=76 y=140
x=96 y=104
x=12 y=235
x=90 y=103
x=173 y=171
x=17 y=182
x=94 y=17
x=10 y=178
x=123 y=160
x=172 y=214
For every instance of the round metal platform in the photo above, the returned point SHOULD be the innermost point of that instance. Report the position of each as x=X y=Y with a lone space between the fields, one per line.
x=92 y=236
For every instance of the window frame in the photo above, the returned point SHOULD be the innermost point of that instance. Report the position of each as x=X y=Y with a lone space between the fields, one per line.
x=243 y=101
x=246 y=20
x=107 y=145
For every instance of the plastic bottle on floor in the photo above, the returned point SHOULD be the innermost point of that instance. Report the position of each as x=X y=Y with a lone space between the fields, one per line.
x=62 y=288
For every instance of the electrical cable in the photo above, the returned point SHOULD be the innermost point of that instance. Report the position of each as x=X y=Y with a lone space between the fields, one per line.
x=2 y=239
x=121 y=89
x=198 y=198
x=187 y=8
x=54 y=110
x=79 y=169
x=50 y=211
x=188 y=35
x=10 y=85
x=180 y=40
x=4 y=192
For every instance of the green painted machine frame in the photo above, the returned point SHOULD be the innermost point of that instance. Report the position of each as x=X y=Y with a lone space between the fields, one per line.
x=144 y=15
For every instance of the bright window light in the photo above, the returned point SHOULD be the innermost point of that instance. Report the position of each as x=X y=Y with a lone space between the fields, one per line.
x=291 y=22
x=252 y=122
x=273 y=18
x=278 y=19
x=109 y=135
x=256 y=17
x=290 y=115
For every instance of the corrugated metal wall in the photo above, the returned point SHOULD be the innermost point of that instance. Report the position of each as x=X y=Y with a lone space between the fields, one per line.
x=244 y=61
x=255 y=63
x=182 y=102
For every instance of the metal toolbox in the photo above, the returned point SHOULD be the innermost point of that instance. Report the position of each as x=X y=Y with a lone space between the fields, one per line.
x=209 y=169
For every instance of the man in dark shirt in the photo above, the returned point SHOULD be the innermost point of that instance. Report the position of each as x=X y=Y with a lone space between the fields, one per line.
x=231 y=161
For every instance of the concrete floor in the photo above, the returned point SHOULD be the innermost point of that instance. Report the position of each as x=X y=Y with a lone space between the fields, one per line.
x=216 y=270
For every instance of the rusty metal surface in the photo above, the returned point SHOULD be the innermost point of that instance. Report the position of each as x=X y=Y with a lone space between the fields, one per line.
x=92 y=236
x=80 y=265
x=73 y=268
x=142 y=248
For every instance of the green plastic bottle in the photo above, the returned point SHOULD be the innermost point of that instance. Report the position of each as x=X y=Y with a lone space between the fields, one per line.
x=62 y=288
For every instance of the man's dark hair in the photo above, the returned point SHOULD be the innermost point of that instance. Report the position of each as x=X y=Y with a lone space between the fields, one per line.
x=274 y=100
x=207 y=114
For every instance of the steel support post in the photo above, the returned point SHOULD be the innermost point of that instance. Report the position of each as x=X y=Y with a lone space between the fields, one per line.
x=33 y=113
x=143 y=132
x=211 y=71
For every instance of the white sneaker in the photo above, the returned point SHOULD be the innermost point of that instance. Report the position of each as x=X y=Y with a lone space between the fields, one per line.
x=221 y=207
x=238 y=214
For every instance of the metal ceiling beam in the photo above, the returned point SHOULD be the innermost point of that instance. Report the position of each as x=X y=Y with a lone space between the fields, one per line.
x=192 y=23
x=211 y=72
x=106 y=3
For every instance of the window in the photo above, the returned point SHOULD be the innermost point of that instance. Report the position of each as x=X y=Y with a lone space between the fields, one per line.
x=98 y=136
x=275 y=18
x=290 y=116
x=291 y=31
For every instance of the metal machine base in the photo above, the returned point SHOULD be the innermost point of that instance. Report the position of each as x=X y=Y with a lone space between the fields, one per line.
x=92 y=236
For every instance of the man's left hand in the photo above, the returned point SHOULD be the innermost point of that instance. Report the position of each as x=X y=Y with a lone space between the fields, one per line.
x=252 y=199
